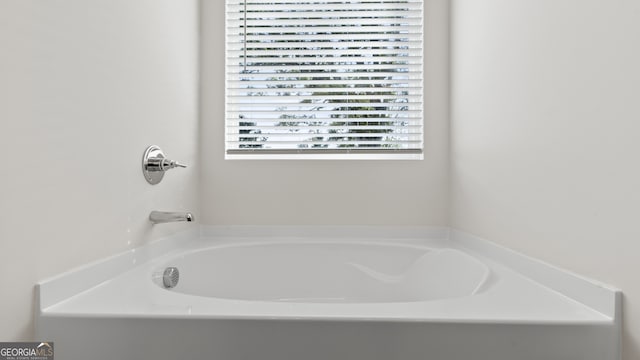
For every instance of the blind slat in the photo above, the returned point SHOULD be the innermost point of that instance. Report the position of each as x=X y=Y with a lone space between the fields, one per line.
x=255 y=25
x=348 y=142
x=315 y=83
x=362 y=74
x=326 y=68
x=323 y=128
x=261 y=91
x=258 y=55
x=340 y=44
x=261 y=122
x=270 y=38
x=242 y=98
x=269 y=13
x=347 y=28
x=256 y=63
x=323 y=104
x=236 y=7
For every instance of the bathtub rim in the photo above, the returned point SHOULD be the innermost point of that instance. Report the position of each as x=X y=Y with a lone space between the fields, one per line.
x=52 y=291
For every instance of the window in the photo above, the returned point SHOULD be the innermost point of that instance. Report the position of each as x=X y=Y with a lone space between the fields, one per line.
x=324 y=79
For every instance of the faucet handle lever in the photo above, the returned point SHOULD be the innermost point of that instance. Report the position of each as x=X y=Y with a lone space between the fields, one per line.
x=170 y=164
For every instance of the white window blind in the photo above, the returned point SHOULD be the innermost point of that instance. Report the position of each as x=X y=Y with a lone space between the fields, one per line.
x=324 y=77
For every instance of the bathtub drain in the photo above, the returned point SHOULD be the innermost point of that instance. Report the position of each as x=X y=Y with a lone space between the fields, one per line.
x=170 y=277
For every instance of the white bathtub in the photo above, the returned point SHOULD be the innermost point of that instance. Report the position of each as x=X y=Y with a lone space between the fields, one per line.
x=405 y=295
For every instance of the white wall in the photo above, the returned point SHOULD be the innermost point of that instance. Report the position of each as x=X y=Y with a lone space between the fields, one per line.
x=546 y=135
x=322 y=192
x=84 y=88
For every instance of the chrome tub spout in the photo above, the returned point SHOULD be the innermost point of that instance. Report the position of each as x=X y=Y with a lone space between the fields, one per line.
x=159 y=217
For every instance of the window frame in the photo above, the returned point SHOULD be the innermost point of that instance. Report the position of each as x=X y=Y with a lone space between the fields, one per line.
x=321 y=154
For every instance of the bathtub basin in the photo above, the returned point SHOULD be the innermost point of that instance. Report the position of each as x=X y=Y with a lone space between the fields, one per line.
x=328 y=272
x=362 y=294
